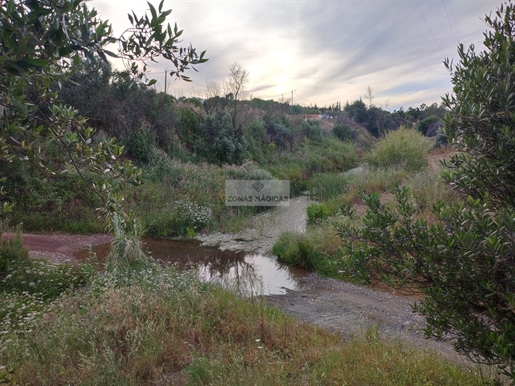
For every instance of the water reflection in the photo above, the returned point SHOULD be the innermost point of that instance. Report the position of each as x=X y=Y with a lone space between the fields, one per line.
x=246 y=274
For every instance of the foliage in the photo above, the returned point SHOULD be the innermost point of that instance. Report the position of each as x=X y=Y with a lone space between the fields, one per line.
x=126 y=253
x=11 y=252
x=278 y=130
x=342 y=131
x=463 y=257
x=62 y=202
x=405 y=148
x=316 y=213
x=226 y=146
x=40 y=51
x=429 y=126
x=462 y=261
x=160 y=326
x=313 y=132
x=325 y=186
x=140 y=143
x=481 y=120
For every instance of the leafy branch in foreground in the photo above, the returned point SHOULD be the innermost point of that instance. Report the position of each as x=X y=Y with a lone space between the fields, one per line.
x=466 y=257
x=41 y=45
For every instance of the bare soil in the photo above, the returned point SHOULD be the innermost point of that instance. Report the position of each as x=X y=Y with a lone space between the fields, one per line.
x=60 y=248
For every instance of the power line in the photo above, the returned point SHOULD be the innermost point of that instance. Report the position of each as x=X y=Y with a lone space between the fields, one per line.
x=449 y=20
x=304 y=99
x=455 y=25
x=429 y=28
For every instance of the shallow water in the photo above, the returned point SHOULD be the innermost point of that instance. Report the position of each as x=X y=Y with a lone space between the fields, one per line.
x=248 y=274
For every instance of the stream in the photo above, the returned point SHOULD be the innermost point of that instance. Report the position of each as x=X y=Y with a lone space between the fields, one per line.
x=240 y=262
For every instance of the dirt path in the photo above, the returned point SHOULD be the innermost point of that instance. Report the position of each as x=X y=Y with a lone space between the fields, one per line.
x=331 y=304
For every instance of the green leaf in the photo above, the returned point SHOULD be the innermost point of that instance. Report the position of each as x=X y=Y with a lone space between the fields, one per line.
x=152 y=10
x=32 y=63
x=111 y=54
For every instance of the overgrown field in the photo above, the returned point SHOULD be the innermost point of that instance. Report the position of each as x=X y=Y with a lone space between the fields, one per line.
x=149 y=324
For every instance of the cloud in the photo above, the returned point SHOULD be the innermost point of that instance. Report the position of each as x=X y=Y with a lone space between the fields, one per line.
x=326 y=50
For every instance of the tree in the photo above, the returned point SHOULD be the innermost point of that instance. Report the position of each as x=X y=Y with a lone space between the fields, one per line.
x=42 y=44
x=370 y=96
x=465 y=258
x=235 y=86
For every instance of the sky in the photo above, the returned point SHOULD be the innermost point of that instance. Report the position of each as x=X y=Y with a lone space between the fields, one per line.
x=324 y=51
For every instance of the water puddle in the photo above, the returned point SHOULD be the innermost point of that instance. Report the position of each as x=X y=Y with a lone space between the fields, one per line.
x=247 y=274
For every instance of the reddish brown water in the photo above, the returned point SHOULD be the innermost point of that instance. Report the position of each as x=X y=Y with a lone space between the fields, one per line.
x=248 y=274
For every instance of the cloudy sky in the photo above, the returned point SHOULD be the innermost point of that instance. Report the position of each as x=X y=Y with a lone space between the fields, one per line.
x=326 y=51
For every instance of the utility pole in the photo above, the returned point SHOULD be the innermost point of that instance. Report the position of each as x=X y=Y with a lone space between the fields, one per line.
x=165 y=81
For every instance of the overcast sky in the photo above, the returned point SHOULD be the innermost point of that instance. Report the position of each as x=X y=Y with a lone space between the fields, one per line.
x=327 y=51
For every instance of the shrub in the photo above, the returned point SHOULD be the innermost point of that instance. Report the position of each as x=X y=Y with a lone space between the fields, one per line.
x=405 y=148
x=342 y=132
x=295 y=249
x=466 y=258
x=314 y=133
x=317 y=213
x=429 y=126
x=139 y=143
x=278 y=130
x=225 y=145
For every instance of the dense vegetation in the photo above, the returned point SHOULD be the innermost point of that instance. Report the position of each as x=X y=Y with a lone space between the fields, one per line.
x=454 y=244
x=74 y=131
x=151 y=324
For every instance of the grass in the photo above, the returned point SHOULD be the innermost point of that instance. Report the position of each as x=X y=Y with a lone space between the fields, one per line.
x=159 y=326
x=185 y=199
x=319 y=248
x=404 y=148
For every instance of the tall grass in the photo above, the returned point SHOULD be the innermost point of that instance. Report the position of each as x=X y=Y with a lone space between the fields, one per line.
x=160 y=326
x=404 y=148
x=428 y=188
x=190 y=198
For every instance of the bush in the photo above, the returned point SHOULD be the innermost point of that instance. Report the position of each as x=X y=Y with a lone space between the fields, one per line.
x=225 y=145
x=466 y=256
x=342 y=131
x=295 y=249
x=405 y=148
x=429 y=126
x=314 y=133
x=317 y=213
x=139 y=143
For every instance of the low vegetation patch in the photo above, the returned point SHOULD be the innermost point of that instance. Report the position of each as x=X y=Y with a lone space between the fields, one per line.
x=406 y=148
x=153 y=324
